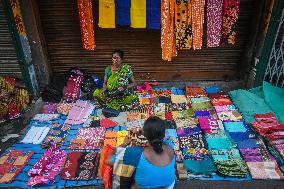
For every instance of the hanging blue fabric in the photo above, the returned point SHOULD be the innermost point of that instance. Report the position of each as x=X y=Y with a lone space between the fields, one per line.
x=122 y=12
x=153 y=14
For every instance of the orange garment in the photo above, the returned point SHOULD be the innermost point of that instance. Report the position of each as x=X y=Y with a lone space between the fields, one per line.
x=168 y=42
x=86 y=22
x=197 y=22
x=105 y=171
x=110 y=138
x=183 y=28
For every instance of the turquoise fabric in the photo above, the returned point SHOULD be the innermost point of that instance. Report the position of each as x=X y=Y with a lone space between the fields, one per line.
x=197 y=167
x=237 y=126
x=249 y=104
x=225 y=154
x=274 y=97
x=219 y=143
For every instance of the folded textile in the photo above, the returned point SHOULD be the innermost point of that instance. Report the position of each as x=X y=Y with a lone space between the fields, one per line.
x=88 y=139
x=49 y=108
x=212 y=89
x=35 y=135
x=56 y=135
x=240 y=136
x=178 y=98
x=120 y=137
x=188 y=131
x=193 y=141
x=225 y=154
x=11 y=164
x=203 y=167
x=201 y=106
x=265 y=170
x=199 y=114
x=225 y=108
x=218 y=141
x=195 y=154
x=248 y=143
x=133 y=116
x=221 y=101
x=230 y=116
x=199 y=100
x=45 y=117
x=108 y=123
x=251 y=154
x=232 y=168
x=110 y=112
x=110 y=139
x=79 y=112
x=106 y=14
x=208 y=125
x=176 y=107
x=47 y=168
x=81 y=166
x=186 y=123
x=158 y=93
x=138 y=14
x=237 y=126
x=135 y=124
x=163 y=99
x=64 y=108
x=194 y=91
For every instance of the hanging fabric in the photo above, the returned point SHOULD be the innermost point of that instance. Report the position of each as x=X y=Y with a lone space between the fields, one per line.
x=106 y=14
x=168 y=42
x=122 y=12
x=183 y=28
x=86 y=23
x=138 y=14
x=153 y=14
x=214 y=22
x=230 y=16
x=197 y=22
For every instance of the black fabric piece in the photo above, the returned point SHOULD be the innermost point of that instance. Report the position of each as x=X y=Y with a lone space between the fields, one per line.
x=110 y=112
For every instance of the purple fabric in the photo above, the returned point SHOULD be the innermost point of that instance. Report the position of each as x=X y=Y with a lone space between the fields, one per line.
x=251 y=154
x=188 y=131
x=199 y=114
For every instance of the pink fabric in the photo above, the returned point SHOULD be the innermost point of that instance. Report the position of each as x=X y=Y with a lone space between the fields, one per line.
x=73 y=86
x=49 y=108
x=146 y=86
x=214 y=22
x=79 y=112
x=89 y=138
x=48 y=167
x=208 y=125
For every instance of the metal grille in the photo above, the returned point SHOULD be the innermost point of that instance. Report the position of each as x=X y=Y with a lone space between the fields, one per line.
x=275 y=69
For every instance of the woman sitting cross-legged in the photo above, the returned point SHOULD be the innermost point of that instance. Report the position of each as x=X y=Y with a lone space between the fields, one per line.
x=118 y=83
x=149 y=167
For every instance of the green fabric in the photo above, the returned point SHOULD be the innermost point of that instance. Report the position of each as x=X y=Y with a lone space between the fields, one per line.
x=201 y=106
x=274 y=97
x=258 y=91
x=232 y=168
x=249 y=104
x=110 y=98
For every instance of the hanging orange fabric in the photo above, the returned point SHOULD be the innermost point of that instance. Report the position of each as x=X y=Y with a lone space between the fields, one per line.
x=183 y=29
x=197 y=22
x=86 y=22
x=168 y=42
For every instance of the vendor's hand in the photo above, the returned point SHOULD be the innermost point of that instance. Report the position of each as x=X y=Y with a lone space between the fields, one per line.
x=126 y=141
x=120 y=88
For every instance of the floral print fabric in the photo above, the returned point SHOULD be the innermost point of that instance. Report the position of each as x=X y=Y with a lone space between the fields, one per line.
x=230 y=17
x=86 y=21
x=214 y=22
x=183 y=28
x=47 y=168
x=57 y=135
x=88 y=139
x=11 y=164
x=81 y=166
x=197 y=22
x=168 y=42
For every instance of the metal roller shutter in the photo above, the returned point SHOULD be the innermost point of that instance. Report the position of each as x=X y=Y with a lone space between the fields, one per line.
x=9 y=65
x=60 y=22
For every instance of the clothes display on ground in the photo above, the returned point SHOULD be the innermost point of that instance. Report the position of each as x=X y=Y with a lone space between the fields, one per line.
x=206 y=146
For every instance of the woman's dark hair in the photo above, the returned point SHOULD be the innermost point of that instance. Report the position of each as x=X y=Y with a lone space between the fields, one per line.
x=154 y=130
x=119 y=52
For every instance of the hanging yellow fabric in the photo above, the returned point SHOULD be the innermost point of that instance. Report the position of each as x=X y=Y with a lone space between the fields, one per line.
x=138 y=14
x=106 y=14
